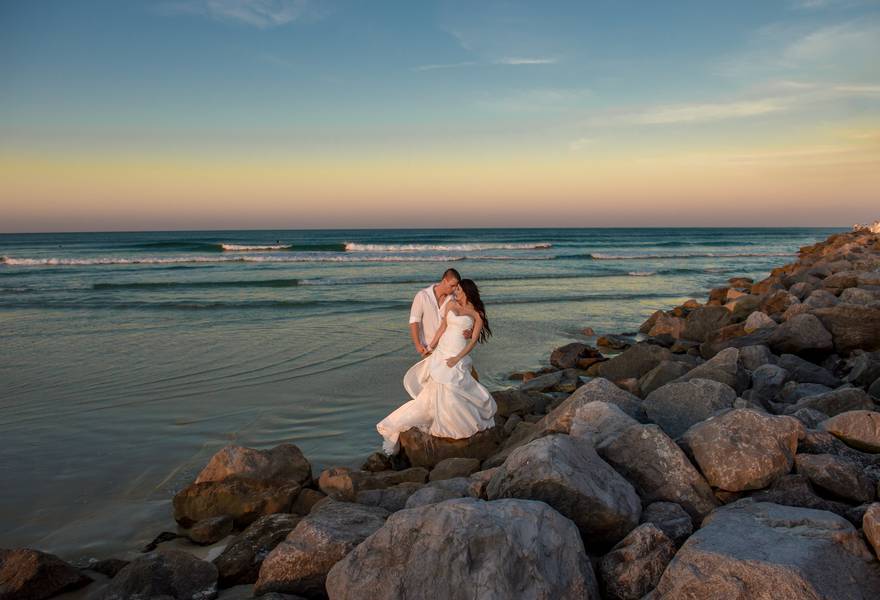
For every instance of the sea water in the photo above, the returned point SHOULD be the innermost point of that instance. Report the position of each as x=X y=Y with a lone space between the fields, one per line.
x=128 y=359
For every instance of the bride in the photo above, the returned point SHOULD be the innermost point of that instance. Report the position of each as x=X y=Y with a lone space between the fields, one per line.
x=446 y=399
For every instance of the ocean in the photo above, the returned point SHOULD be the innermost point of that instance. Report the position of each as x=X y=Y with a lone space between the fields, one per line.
x=128 y=359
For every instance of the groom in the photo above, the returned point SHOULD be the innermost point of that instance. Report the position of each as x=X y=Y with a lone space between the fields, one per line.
x=424 y=316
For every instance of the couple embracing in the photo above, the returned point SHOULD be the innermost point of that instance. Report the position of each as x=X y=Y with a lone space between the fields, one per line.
x=446 y=321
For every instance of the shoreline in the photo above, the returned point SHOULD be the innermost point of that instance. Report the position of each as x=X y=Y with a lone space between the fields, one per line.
x=817 y=322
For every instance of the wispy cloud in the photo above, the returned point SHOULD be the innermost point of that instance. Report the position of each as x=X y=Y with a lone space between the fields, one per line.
x=526 y=61
x=458 y=65
x=258 y=13
x=512 y=61
x=581 y=144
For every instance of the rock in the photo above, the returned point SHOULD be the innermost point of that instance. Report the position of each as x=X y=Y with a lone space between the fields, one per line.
x=809 y=417
x=724 y=367
x=802 y=335
x=633 y=362
x=758 y=320
x=570 y=477
x=801 y=290
x=795 y=490
x=635 y=564
x=300 y=563
x=836 y=475
x=467 y=548
x=510 y=424
x=874 y=389
x=729 y=338
x=767 y=382
x=666 y=372
x=377 y=461
x=670 y=518
x=597 y=422
x=165 y=536
x=740 y=282
x=567 y=357
x=705 y=320
x=717 y=296
x=753 y=357
x=454 y=467
x=835 y=402
x=795 y=310
x=108 y=567
x=425 y=450
x=658 y=469
x=650 y=322
x=240 y=561
x=284 y=462
x=241 y=498
x=857 y=428
x=864 y=369
x=170 y=573
x=742 y=306
x=804 y=371
x=793 y=391
x=513 y=401
x=822 y=442
x=28 y=574
x=615 y=342
x=778 y=302
x=853 y=327
x=820 y=299
x=871 y=527
x=210 y=531
x=542 y=383
x=667 y=325
x=588 y=331
x=762 y=550
x=342 y=483
x=743 y=449
x=391 y=499
x=677 y=406
x=598 y=389
x=480 y=481
x=857 y=296
x=306 y=500
x=440 y=491
x=523 y=434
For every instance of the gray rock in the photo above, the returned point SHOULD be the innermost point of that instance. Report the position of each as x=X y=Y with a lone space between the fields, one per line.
x=391 y=499
x=704 y=320
x=424 y=450
x=633 y=362
x=284 y=462
x=514 y=401
x=822 y=442
x=796 y=490
x=871 y=526
x=28 y=574
x=809 y=417
x=567 y=356
x=300 y=563
x=753 y=357
x=658 y=469
x=803 y=371
x=210 y=531
x=677 y=406
x=820 y=299
x=240 y=561
x=666 y=372
x=793 y=391
x=764 y=550
x=864 y=368
x=767 y=382
x=439 y=491
x=835 y=402
x=342 y=483
x=801 y=290
x=801 y=335
x=569 y=476
x=242 y=498
x=599 y=389
x=461 y=549
x=454 y=467
x=635 y=564
x=758 y=320
x=671 y=518
x=857 y=296
x=836 y=475
x=596 y=422
x=854 y=327
x=874 y=389
x=171 y=573
x=857 y=428
x=724 y=368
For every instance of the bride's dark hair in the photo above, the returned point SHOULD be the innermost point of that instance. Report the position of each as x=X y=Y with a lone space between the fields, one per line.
x=472 y=292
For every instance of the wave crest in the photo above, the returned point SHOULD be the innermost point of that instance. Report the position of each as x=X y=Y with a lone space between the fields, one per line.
x=356 y=247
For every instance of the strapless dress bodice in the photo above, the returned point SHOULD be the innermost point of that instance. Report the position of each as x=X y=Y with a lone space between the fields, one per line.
x=452 y=341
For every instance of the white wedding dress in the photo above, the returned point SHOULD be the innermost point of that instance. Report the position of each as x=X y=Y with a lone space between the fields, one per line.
x=446 y=402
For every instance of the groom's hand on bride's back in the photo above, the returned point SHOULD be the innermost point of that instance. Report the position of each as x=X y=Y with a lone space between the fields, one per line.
x=467 y=333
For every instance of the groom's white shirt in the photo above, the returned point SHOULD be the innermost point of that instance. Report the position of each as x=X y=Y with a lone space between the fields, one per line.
x=426 y=311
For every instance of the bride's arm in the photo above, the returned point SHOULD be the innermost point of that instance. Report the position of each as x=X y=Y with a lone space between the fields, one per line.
x=475 y=337
x=440 y=330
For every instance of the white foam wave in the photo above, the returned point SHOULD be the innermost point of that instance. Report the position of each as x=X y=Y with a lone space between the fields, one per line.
x=642 y=273
x=242 y=248
x=598 y=256
x=108 y=260
x=354 y=247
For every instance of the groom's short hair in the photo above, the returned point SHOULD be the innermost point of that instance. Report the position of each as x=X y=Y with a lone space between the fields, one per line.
x=451 y=273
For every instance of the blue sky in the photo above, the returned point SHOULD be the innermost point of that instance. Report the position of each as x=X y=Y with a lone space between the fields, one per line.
x=239 y=80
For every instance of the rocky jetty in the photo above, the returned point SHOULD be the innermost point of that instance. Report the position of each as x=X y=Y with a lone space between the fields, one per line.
x=730 y=449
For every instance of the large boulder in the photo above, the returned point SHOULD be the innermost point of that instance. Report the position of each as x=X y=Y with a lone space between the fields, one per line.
x=666 y=324
x=300 y=563
x=391 y=499
x=671 y=519
x=467 y=548
x=802 y=335
x=835 y=402
x=514 y=401
x=836 y=475
x=702 y=321
x=28 y=574
x=284 y=462
x=425 y=450
x=598 y=389
x=342 y=483
x=666 y=372
x=743 y=449
x=163 y=573
x=857 y=428
x=677 y=406
x=635 y=564
x=755 y=356
x=724 y=367
x=803 y=371
x=767 y=382
x=852 y=326
x=796 y=490
x=438 y=491
x=632 y=362
x=568 y=475
x=454 y=467
x=241 y=498
x=762 y=550
x=596 y=422
x=758 y=320
x=240 y=561
x=569 y=355
x=658 y=469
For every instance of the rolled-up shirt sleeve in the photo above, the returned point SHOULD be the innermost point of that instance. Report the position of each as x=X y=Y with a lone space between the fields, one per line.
x=417 y=310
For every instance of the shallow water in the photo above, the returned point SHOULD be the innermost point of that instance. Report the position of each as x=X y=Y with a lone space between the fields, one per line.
x=128 y=359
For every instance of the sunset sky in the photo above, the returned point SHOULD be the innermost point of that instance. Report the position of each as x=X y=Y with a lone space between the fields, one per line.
x=206 y=114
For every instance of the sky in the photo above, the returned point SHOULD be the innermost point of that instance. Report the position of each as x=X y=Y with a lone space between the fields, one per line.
x=237 y=114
